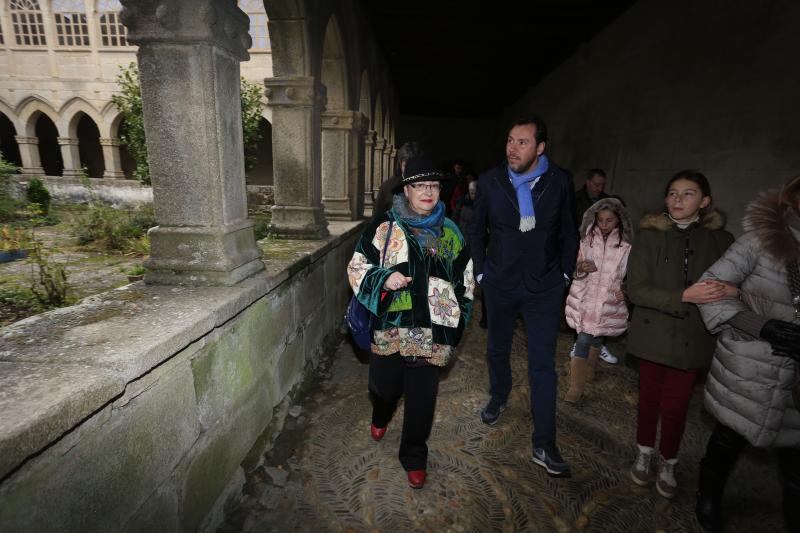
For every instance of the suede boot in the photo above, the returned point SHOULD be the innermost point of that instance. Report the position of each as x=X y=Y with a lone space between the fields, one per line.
x=578 y=375
x=594 y=356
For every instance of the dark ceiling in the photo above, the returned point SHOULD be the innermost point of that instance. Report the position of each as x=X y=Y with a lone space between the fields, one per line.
x=472 y=59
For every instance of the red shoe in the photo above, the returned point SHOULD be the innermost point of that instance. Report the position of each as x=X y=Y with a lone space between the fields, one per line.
x=376 y=432
x=416 y=478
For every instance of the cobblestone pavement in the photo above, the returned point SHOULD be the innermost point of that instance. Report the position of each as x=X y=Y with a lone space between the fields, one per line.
x=326 y=474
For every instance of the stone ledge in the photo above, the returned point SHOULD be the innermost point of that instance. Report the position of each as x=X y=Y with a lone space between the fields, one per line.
x=70 y=362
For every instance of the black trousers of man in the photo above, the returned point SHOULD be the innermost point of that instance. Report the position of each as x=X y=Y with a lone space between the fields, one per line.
x=392 y=376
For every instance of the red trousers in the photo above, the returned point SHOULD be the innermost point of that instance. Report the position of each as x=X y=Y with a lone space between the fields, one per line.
x=663 y=392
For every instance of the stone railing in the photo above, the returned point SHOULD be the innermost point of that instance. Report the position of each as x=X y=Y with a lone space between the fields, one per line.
x=133 y=410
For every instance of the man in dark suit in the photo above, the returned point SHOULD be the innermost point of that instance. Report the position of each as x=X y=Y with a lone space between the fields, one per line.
x=527 y=206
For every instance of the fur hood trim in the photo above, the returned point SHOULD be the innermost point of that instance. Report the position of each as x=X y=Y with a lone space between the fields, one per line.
x=712 y=220
x=767 y=216
x=626 y=227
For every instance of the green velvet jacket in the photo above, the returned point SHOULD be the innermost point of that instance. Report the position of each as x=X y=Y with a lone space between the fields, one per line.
x=427 y=318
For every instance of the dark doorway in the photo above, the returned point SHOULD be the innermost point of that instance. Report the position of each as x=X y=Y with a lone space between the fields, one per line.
x=261 y=173
x=126 y=159
x=49 y=151
x=91 y=152
x=8 y=144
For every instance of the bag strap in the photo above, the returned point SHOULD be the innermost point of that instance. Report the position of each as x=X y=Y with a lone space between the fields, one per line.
x=386 y=242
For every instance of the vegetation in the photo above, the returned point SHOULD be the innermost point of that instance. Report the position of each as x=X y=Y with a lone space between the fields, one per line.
x=38 y=194
x=49 y=279
x=114 y=229
x=129 y=102
x=8 y=205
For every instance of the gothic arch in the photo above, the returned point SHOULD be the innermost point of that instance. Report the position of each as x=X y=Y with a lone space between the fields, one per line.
x=72 y=112
x=288 y=33
x=28 y=112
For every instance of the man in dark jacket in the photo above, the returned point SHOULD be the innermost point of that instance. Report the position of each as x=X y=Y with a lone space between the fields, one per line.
x=592 y=191
x=528 y=208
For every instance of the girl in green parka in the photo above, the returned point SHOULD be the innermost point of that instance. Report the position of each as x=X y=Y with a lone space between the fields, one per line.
x=422 y=297
x=672 y=251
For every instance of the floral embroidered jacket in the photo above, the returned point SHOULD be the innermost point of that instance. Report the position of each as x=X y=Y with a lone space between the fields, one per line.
x=427 y=318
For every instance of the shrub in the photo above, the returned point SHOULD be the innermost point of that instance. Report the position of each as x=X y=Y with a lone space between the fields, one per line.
x=38 y=194
x=111 y=228
x=50 y=286
x=8 y=205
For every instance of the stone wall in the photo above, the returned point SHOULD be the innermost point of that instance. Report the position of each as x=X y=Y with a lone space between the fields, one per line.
x=134 y=410
x=674 y=85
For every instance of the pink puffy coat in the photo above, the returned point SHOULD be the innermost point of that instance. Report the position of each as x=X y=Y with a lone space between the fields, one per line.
x=592 y=306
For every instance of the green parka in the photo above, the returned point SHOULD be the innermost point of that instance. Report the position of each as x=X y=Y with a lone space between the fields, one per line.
x=664 y=261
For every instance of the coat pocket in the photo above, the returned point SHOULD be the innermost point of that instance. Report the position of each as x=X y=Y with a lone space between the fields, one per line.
x=442 y=303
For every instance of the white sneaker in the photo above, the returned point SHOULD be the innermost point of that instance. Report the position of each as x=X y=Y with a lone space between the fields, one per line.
x=666 y=484
x=572 y=351
x=642 y=470
x=605 y=355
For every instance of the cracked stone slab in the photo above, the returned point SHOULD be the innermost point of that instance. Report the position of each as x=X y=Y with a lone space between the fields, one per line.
x=40 y=402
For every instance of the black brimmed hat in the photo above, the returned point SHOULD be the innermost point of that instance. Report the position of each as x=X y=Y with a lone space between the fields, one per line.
x=420 y=168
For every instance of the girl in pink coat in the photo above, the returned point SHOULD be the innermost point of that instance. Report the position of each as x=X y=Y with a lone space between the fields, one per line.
x=596 y=305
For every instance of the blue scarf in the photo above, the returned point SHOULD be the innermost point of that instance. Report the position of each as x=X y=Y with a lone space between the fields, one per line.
x=427 y=230
x=521 y=183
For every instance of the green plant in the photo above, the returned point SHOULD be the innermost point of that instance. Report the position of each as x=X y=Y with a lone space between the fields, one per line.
x=14 y=238
x=129 y=103
x=113 y=229
x=140 y=246
x=49 y=278
x=251 y=95
x=38 y=194
x=8 y=205
x=134 y=270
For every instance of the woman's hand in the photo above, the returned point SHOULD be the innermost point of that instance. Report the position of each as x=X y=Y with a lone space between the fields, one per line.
x=396 y=281
x=619 y=295
x=705 y=292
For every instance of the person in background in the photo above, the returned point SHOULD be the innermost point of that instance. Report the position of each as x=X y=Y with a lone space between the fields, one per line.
x=667 y=335
x=421 y=292
x=596 y=305
x=754 y=374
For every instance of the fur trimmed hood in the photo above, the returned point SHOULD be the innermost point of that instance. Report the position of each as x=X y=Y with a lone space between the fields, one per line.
x=712 y=220
x=614 y=205
x=768 y=216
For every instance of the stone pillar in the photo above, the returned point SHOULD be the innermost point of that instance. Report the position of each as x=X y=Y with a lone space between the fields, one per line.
x=387 y=168
x=29 y=153
x=112 y=158
x=342 y=164
x=189 y=54
x=392 y=160
x=369 y=155
x=377 y=172
x=71 y=156
x=296 y=103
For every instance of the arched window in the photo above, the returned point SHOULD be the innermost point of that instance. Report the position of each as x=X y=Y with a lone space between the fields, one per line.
x=112 y=32
x=258 y=23
x=26 y=17
x=71 y=26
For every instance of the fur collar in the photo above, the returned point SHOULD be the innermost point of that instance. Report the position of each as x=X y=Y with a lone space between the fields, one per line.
x=768 y=218
x=712 y=220
x=626 y=227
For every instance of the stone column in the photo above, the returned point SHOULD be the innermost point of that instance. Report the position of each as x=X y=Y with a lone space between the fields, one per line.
x=29 y=153
x=71 y=156
x=387 y=168
x=342 y=164
x=296 y=103
x=392 y=159
x=112 y=158
x=377 y=172
x=189 y=54
x=369 y=149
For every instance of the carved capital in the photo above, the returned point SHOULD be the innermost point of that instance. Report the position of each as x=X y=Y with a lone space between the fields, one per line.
x=294 y=91
x=216 y=22
x=369 y=138
x=340 y=120
x=380 y=144
x=26 y=140
x=109 y=142
x=67 y=141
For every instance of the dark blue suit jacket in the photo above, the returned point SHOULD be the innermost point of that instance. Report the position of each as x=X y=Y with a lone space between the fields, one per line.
x=535 y=260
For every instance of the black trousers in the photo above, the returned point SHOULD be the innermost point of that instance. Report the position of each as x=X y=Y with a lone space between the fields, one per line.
x=723 y=449
x=389 y=379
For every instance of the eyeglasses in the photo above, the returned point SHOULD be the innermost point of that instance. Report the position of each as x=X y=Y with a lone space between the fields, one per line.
x=430 y=187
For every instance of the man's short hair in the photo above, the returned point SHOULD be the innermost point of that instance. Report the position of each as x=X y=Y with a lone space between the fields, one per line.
x=541 y=127
x=595 y=172
x=408 y=150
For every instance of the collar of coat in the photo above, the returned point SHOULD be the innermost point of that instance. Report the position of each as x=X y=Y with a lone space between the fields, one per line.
x=712 y=220
x=626 y=227
x=768 y=217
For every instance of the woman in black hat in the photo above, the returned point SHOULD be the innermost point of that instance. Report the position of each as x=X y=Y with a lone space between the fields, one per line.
x=422 y=297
